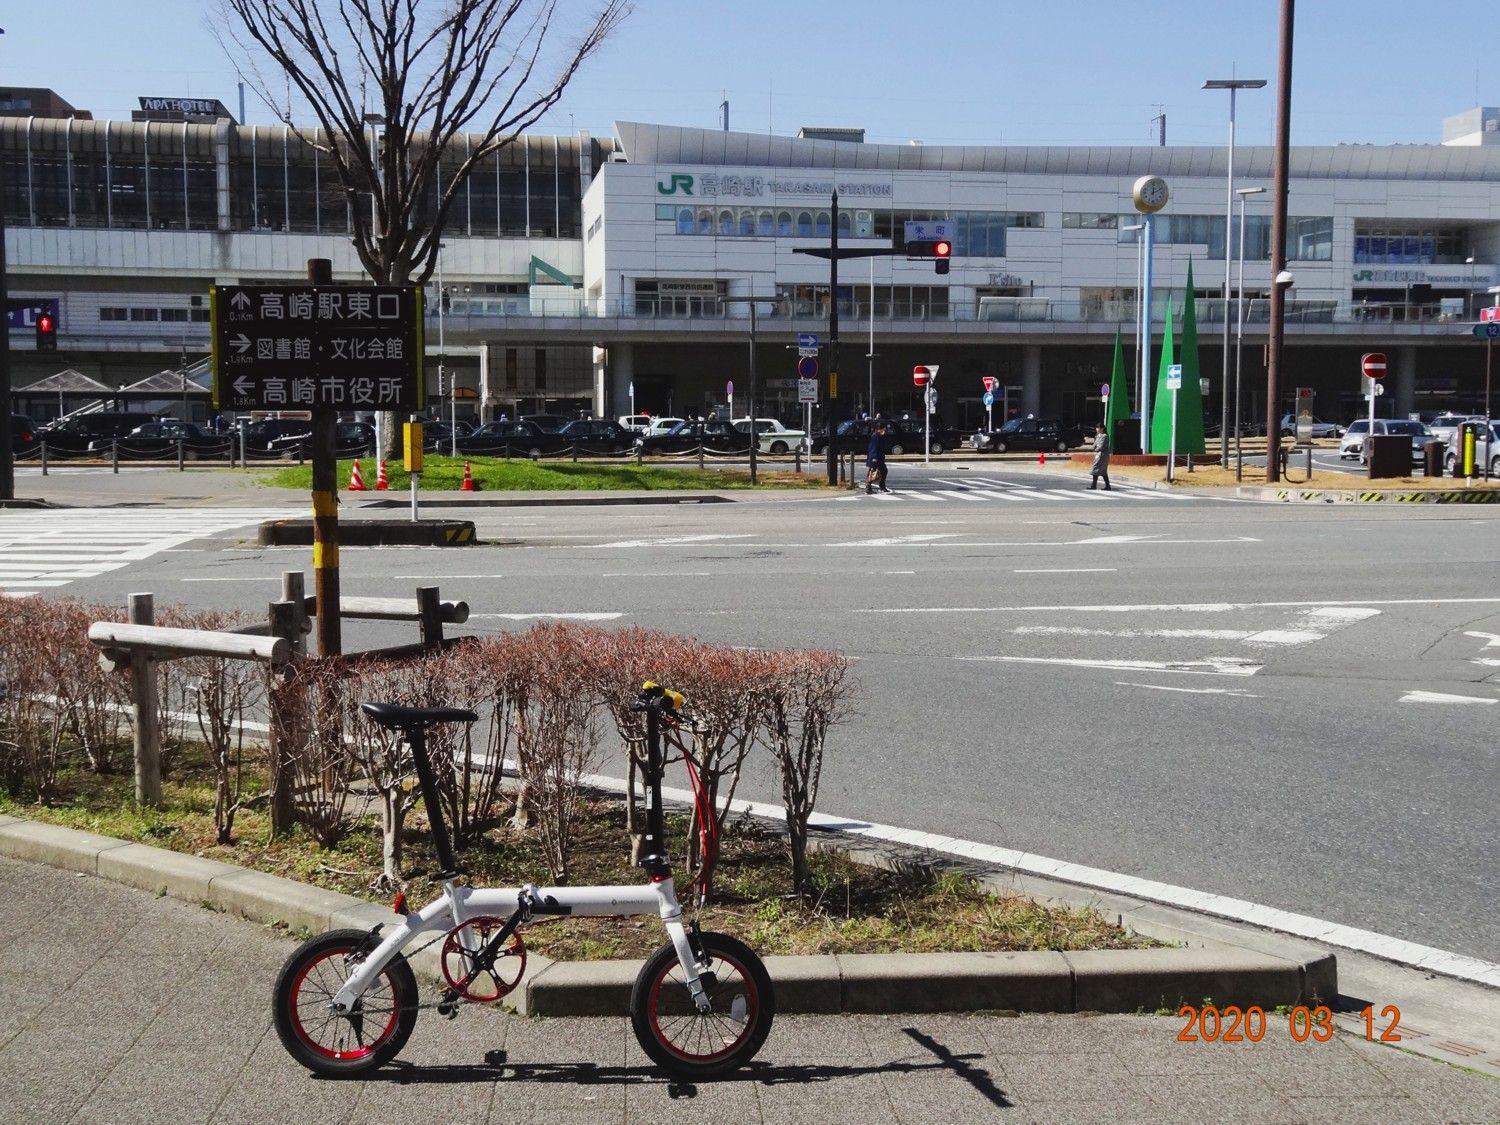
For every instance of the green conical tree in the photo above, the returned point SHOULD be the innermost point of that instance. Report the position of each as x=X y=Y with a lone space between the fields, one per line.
x=1161 y=401
x=1119 y=394
x=1190 y=398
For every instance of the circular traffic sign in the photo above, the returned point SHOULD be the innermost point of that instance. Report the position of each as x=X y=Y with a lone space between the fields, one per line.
x=807 y=367
x=1103 y=390
x=1372 y=365
x=920 y=375
x=989 y=398
x=1489 y=329
x=729 y=388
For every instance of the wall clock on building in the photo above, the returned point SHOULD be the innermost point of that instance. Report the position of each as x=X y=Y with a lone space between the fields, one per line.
x=1150 y=194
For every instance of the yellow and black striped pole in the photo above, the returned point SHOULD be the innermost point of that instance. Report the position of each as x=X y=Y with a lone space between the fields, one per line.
x=325 y=499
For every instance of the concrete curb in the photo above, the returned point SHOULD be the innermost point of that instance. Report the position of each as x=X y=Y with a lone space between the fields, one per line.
x=371 y=533
x=1100 y=981
x=552 y=500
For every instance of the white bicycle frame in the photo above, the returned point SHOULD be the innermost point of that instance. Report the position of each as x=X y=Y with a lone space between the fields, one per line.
x=459 y=903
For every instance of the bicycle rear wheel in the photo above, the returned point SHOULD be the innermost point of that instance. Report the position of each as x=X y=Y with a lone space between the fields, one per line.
x=690 y=1044
x=327 y=1043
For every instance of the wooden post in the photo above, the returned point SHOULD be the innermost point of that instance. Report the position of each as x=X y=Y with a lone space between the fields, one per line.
x=286 y=726
x=430 y=617
x=143 y=709
x=294 y=590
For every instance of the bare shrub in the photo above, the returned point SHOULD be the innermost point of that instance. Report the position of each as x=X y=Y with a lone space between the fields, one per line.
x=809 y=695
x=312 y=764
x=179 y=720
x=468 y=760
x=31 y=728
x=93 y=702
x=226 y=693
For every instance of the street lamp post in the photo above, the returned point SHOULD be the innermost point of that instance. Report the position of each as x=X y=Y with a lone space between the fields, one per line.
x=1281 y=178
x=754 y=381
x=1489 y=361
x=1239 y=334
x=1234 y=86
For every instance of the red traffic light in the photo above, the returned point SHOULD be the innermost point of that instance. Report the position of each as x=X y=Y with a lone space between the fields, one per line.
x=44 y=323
x=46 y=332
x=942 y=249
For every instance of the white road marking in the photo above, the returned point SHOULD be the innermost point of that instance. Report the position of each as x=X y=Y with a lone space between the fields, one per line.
x=669 y=540
x=447 y=577
x=1172 y=634
x=1239 y=693
x=545 y=616
x=1103 y=540
x=899 y=540
x=1069 y=570
x=1442 y=697
x=1491 y=640
x=655 y=574
x=1186 y=607
x=1213 y=666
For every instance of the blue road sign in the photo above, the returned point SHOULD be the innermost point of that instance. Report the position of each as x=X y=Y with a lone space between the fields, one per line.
x=989 y=399
x=1490 y=330
x=807 y=339
x=807 y=367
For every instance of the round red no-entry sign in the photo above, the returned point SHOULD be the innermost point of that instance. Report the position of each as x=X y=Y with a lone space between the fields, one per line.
x=1372 y=365
x=920 y=375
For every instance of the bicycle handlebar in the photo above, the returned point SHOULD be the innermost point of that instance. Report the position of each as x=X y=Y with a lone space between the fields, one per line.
x=663 y=700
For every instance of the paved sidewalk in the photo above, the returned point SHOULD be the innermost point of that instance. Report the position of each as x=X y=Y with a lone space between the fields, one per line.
x=124 y=1007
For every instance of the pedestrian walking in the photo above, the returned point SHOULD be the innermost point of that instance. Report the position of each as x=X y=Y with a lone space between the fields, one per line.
x=875 y=467
x=1100 y=467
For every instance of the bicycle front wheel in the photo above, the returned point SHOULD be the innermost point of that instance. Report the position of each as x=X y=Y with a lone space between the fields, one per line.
x=324 y=1041
x=687 y=1043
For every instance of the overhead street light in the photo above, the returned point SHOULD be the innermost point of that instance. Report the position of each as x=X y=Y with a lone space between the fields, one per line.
x=1239 y=334
x=1234 y=86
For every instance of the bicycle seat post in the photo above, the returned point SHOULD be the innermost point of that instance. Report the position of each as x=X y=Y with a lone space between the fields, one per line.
x=416 y=737
x=653 y=846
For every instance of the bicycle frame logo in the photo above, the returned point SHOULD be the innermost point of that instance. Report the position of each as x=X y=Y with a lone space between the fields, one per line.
x=680 y=180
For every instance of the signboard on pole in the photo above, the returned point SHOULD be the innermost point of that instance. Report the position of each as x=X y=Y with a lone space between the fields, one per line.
x=1490 y=330
x=1372 y=365
x=807 y=340
x=1304 y=417
x=807 y=391
x=989 y=382
x=1174 y=377
x=1489 y=312
x=310 y=347
x=988 y=399
x=807 y=367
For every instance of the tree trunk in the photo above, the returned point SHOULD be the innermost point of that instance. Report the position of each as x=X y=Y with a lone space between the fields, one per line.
x=392 y=820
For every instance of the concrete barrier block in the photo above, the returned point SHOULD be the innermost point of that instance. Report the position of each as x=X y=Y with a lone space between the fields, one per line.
x=582 y=988
x=268 y=898
x=806 y=985
x=1116 y=980
x=187 y=877
x=52 y=844
x=955 y=982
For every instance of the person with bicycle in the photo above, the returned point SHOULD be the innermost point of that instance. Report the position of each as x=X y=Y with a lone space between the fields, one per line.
x=875 y=466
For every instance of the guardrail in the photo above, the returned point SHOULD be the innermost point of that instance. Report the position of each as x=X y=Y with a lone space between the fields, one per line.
x=140 y=645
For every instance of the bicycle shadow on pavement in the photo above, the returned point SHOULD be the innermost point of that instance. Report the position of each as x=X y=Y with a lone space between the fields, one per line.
x=498 y=1068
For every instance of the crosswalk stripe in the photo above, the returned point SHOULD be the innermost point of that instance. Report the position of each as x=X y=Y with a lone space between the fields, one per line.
x=956 y=495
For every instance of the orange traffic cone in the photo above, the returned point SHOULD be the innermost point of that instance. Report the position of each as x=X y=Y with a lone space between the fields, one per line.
x=382 y=482
x=1041 y=458
x=468 y=484
x=356 y=482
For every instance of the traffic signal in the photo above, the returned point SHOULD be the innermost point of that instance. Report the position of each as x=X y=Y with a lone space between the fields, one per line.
x=46 y=332
x=939 y=249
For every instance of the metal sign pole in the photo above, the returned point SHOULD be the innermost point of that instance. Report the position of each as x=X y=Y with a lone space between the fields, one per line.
x=325 y=498
x=1172 y=443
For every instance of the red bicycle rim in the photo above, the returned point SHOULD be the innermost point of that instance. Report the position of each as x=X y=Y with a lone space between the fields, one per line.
x=306 y=1036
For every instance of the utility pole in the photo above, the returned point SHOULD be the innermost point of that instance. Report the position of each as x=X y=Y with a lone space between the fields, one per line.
x=7 y=450
x=830 y=413
x=325 y=498
x=1281 y=161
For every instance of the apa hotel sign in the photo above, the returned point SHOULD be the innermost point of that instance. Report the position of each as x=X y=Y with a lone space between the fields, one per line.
x=712 y=185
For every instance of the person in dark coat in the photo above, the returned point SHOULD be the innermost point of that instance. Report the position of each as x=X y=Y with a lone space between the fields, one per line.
x=875 y=460
x=1100 y=467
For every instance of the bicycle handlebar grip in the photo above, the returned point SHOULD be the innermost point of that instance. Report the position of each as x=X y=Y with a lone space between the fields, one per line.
x=662 y=698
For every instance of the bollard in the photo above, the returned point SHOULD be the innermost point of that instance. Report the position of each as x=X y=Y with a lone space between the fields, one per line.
x=700 y=455
x=638 y=452
x=44 y=458
x=799 y=456
x=180 y=455
x=430 y=617
x=143 y=704
x=294 y=590
x=575 y=453
x=114 y=454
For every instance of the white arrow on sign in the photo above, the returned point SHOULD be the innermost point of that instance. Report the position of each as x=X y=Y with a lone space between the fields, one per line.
x=240 y=300
x=241 y=343
x=243 y=385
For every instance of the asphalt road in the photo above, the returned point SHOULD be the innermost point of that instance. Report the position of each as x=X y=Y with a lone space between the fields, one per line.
x=1294 y=705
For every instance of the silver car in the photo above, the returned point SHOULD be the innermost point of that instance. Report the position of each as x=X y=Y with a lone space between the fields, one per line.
x=1352 y=444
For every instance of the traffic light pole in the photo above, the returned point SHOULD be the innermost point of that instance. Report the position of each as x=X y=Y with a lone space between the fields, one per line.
x=830 y=414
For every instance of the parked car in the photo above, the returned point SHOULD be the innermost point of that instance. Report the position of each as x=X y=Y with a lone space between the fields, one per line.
x=597 y=435
x=76 y=433
x=635 y=423
x=437 y=435
x=1446 y=424
x=689 y=434
x=160 y=439
x=261 y=434
x=1486 y=445
x=903 y=436
x=659 y=425
x=1320 y=428
x=547 y=423
x=770 y=435
x=350 y=439
x=1352 y=444
x=509 y=439
x=22 y=433
x=1047 y=434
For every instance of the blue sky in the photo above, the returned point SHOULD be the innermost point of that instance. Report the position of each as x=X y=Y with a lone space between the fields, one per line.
x=953 y=72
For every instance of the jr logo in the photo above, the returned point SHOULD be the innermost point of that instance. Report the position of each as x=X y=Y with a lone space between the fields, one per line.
x=1364 y=275
x=680 y=180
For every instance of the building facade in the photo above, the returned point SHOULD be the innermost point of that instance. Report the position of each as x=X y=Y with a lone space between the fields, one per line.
x=618 y=274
